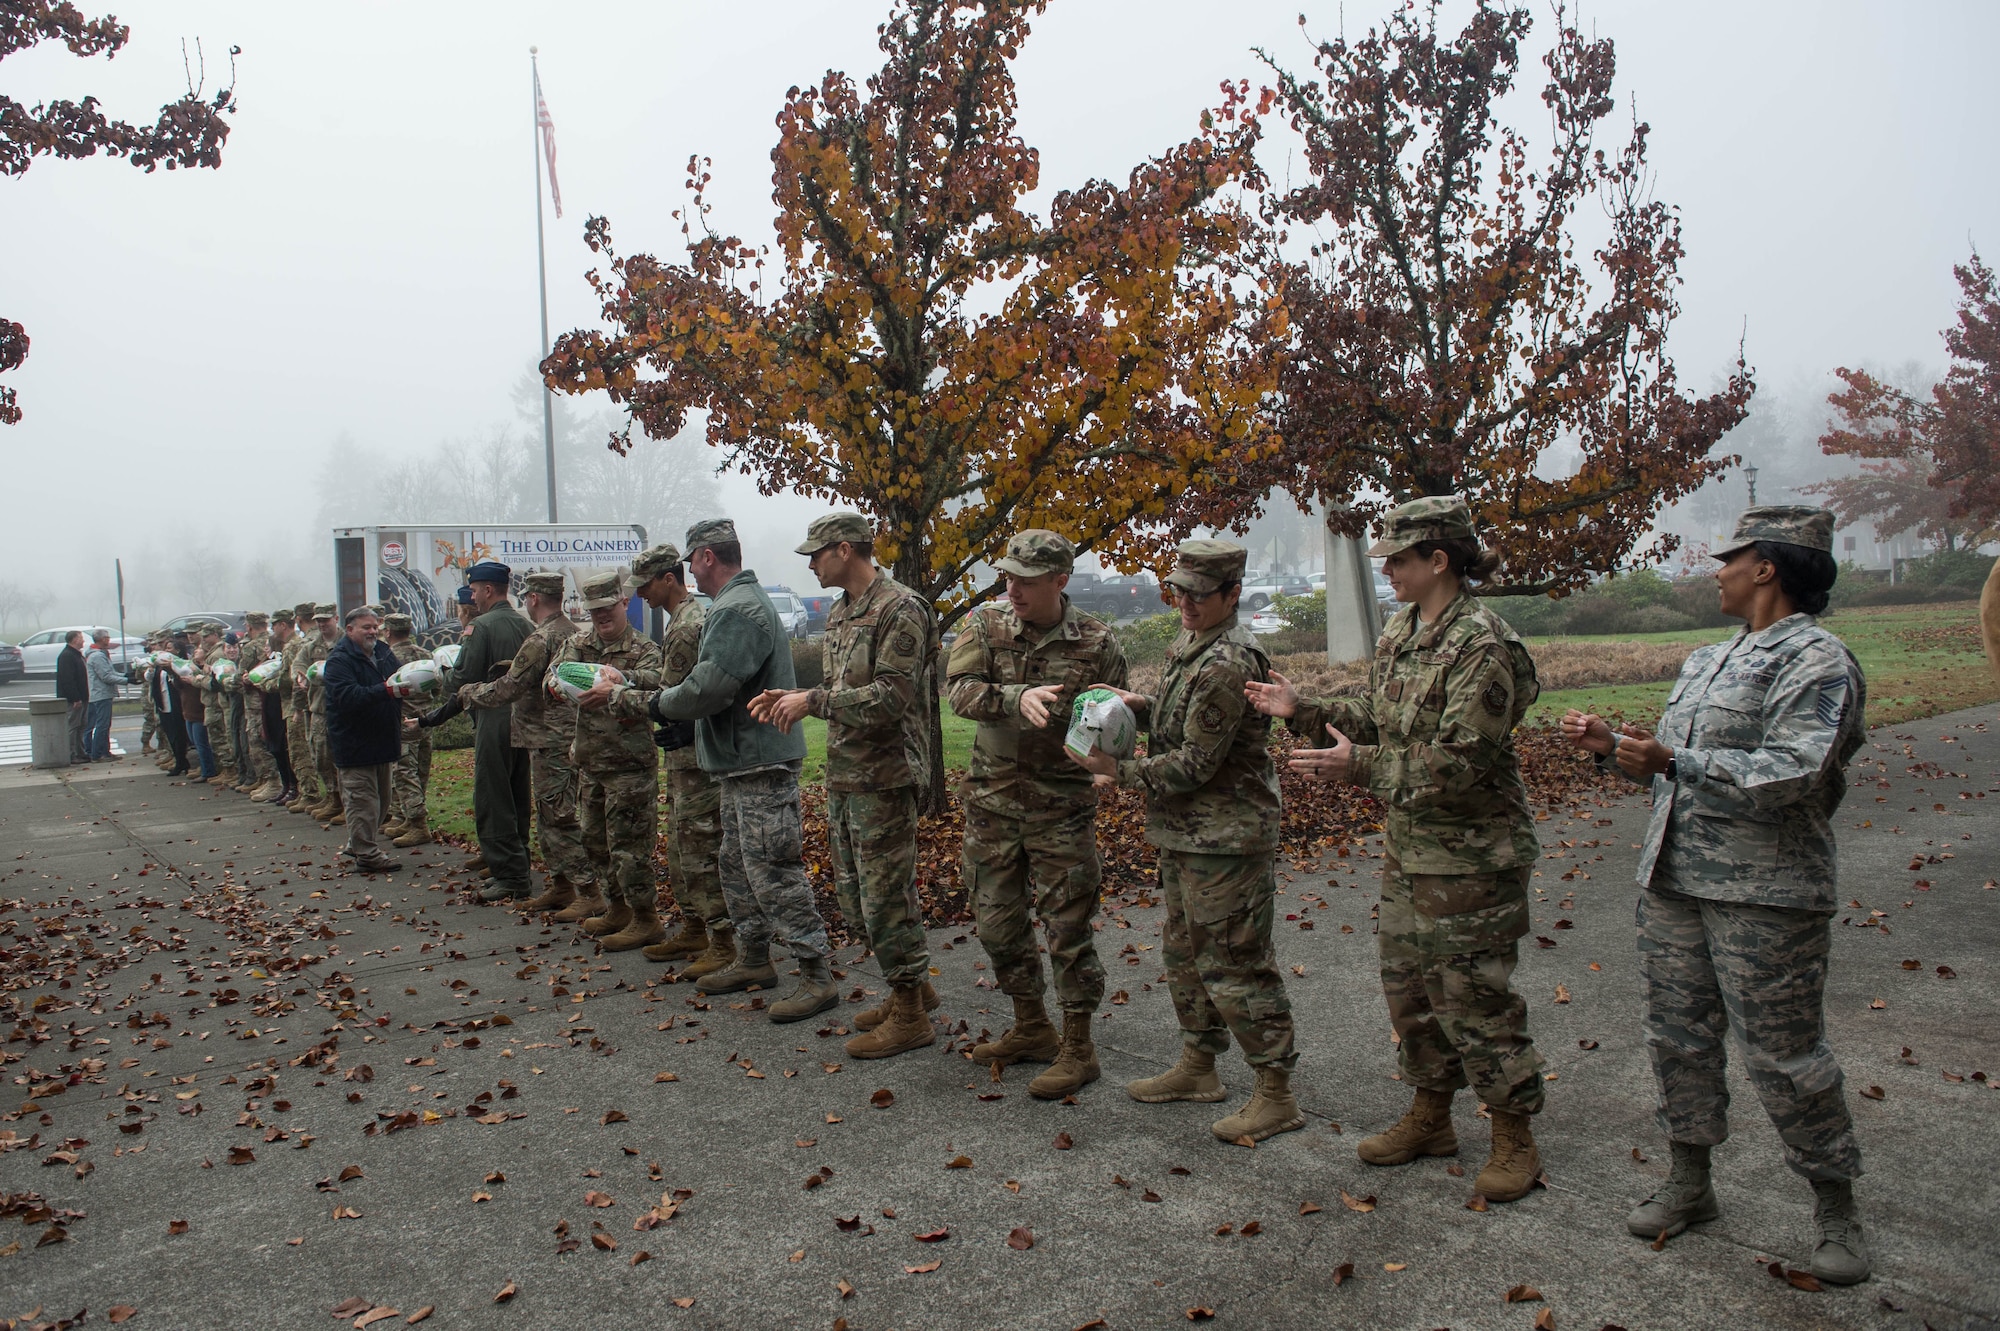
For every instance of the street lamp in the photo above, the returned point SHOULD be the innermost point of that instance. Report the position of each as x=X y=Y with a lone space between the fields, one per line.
x=1750 y=475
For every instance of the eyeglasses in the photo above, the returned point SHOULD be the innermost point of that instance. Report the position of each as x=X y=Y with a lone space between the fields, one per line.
x=1198 y=598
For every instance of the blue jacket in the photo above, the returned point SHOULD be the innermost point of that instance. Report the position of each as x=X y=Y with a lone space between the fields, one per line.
x=364 y=722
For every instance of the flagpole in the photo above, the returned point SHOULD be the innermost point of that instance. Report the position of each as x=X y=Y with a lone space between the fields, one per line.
x=542 y=270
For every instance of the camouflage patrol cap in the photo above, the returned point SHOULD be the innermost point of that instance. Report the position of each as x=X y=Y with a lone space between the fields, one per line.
x=284 y=616
x=255 y=618
x=543 y=584
x=1203 y=566
x=833 y=529
x=398 y=623
x=1036 y=551
x=603 y=589
x=651 y=563
x=303 y=611
x=1432 y=518
x=713 y=531
x=325 y=610
x=1787 y=524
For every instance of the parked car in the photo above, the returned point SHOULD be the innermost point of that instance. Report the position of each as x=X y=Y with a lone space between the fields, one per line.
x=39 y=650
x=1260 y=589
x=791 y=610
x=818 y=607
x=1268 y=620
x=11 y=665
x=231 y=620
x=1114 y=596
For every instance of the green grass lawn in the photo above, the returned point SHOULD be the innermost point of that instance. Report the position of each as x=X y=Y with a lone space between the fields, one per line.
x=1919 y=660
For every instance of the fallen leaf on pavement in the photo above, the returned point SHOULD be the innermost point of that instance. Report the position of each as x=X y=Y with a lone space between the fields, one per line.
x=938 y=1235
x=421 y=1314
x=612 y=1116
x=925 y=1269
x=1020 y=1238
x=1309 y=1208
x=374 y=1315
x=1562 y=993
x=1798 y=1279
x=351 y=1172
x=1872 y=1092
x=603 y=1242
x=659 y=1077
x=1476 y=1202
x=346 y=1213
x=641 y=1256
x=507 y=1291
x=1251 y=1228
x=1343 y=1272
x=1545 y=1320
x=1201 y=1314
x=846 y=1290
x=1524 y=1294
x=599 y=1199
x=242 y=1155
x=121 y=1312
x=1353 y=1203
x=882 y=1099
x=1149 y=1196
x=347 y=1308
x=1064 y=1141
x=1395 y=1266
x=177 y=1226
x=959 y=1162
x=683 y=1303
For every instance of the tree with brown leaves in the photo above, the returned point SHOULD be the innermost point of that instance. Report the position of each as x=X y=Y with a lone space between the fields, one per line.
x=189 y=132
x=1448 y=338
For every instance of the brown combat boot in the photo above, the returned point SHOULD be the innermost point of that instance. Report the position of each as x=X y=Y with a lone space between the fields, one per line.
x=1425 y=1130
x=752 y=969
x=560 y=893
x=721 y=954
x=270 y=790
x=869 y=1018
x=1515 y=1164
x=816 y=993
x=642 y=928
x=1029 y=1040
x=908 y=1027
x=615 y=917
x=1272 y=1109
x=224 y=776
x=589 y=901
x=417 y=833
x=339 y=818
x=1076 y=1062
x=1193 y=1078
x=393 y=827
x=691 y=941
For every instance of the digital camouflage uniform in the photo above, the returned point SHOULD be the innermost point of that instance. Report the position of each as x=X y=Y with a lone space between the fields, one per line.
x=544 y=725
x=252 y=762
x=410 y=780
x=617 y=765
x=1739 y=881
x=1212 y=810
x=878 y=656
x=694 y=819
x=316 y=652
x=1433 y=741
x=1030 y=847
x=298 y=720
x=215 y=701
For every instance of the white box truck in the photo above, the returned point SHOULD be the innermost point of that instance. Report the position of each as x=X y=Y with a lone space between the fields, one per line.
x=417 y=568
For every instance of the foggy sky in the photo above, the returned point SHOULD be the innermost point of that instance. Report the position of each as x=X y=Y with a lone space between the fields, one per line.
x=363 y=265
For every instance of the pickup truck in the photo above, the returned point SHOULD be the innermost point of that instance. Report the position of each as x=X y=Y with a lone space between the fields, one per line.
x=1114 y=596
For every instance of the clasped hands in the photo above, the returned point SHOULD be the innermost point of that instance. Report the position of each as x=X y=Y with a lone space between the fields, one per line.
x=1633 y=748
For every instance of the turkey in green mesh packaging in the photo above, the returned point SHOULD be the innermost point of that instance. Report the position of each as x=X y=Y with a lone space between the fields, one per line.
x=1101 y=721
x=572 y=679
x=267 y=672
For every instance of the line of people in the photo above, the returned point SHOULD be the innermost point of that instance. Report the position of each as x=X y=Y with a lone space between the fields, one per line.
x=1737 y=881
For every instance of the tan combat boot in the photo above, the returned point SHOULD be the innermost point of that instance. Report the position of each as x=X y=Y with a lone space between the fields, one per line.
x=417 y=833
x=1515 y=1164
x=816 y=993
x=560 y=893
x=869 y=1018
x=907 y=1027
x=1424 y=1130
x=589 y=901
x=392 y=827
x=1076 y=1063
x=224 y=776
x=1272 y=1109
x=615 y=917
x=721 y=954
x=642 y=928
x=1193 y=1078
x=750 y=970
x=339 y=818
x=1030 y=1039
x=476 y=863
x=270 y=790
x=691 y=941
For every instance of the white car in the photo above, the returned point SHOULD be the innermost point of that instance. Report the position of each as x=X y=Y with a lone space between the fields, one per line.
x=1268 y=620
x=791 y=611
x=39 y=650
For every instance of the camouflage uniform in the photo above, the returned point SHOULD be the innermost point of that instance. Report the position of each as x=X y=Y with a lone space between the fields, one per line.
x=878 y=654
x=1433 y=741
x=1212 y=810
x=1738 y=872
x=298 y=719
x=410 y=780
x=253 y=764
x=1030 y=813
x=694 y=823
x=545 y=726
x=617 y=765
x=215 y=700
x=315 y=653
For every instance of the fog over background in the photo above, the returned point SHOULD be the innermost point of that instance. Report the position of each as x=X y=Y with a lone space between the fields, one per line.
x=340 y=325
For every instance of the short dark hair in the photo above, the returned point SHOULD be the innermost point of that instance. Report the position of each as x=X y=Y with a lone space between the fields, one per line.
x=866 y=549
x=727 y=552
x=72 y=636
x=678 y=572
x=1805 y=575
x=1469 y=561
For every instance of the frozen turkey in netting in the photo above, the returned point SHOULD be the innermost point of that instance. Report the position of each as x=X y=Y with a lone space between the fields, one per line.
x=418 y=676
x=1102 y=722
x=572 y=679
x=447 y=655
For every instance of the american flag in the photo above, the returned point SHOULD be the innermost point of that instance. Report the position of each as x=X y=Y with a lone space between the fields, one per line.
x=548 y=128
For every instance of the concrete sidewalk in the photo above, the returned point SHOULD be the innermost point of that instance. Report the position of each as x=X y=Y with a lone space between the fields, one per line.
x=205 y=986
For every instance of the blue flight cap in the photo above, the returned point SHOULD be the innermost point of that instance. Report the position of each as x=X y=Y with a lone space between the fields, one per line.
x=489 y=570
x=464 y=595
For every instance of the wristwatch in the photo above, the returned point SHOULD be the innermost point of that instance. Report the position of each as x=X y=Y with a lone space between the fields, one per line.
x=1673 y=767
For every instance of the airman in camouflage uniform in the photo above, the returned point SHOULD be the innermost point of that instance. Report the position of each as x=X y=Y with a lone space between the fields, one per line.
x=694 y=802
x=618 y=766
x=410 y=779
x=1433 y=741
x=253 y=764
x=1738 y=878
x=279 y=777
x=151 y=728
x=879 y=685
x=319 y=643
x=545 y=725
x=1212 y=811
x=1030 y=815
x=215 y=703
x=298 y=718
